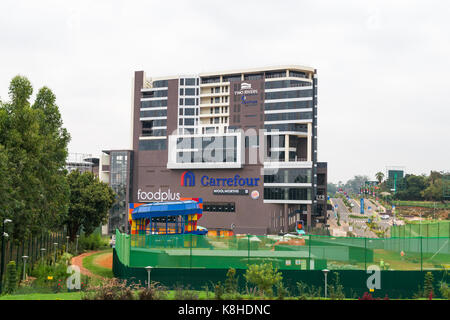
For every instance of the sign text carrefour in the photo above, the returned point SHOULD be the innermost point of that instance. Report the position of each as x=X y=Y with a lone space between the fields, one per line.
x=188 y=180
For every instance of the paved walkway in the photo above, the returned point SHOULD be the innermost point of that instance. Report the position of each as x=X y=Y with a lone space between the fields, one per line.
x=78 y=261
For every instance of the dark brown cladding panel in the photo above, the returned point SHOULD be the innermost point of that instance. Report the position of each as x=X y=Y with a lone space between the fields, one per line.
x=247 y=104
x=172 y=106
x=138 y=85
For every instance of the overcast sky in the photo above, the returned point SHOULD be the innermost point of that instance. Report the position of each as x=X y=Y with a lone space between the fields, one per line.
x=383 y=66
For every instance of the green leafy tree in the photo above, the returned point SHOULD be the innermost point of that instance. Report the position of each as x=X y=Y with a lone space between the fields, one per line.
x=433 y=192
x=90 y=201
x=354 y=184
x=5 y=189
x=33 y=150
x=332 y=188
x=414 y=185
x=264 y=276
x=56 y=138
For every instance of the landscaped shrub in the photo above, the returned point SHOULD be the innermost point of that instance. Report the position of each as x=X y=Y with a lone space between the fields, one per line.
x=306 y=292
x=47 y=275
x=231 y=283
x=11 y=277
x=109 y=289
x=335 y=289
x=251 y=291
x=264 y=276
x=92 y=242
x=282 y=291
x=428 y=285
x=443 y=288
x=218 y=291
x=65 y=258
x=182 y=293
x=155 y=292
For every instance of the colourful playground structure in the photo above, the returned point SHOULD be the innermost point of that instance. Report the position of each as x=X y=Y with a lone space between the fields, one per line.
x=163 y=218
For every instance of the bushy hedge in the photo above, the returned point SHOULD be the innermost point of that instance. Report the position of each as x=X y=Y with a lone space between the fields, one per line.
x=92 y=242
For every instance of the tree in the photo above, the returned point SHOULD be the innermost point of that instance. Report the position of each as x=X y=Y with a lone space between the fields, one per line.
x=34 y=149
x=354 y=184
x=56 y=139
x=414 y=185
x=5 y=183
x=433 y=192
x=379 y=176
x=90 y=202
x=264 y=277
x=332 y=188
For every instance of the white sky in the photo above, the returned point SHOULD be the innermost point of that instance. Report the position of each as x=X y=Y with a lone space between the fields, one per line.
x=383 y=66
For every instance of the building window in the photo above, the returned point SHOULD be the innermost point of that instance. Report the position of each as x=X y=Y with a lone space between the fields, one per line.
x=219 y=207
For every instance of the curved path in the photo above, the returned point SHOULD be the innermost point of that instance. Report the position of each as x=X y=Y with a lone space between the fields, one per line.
x=78 y=261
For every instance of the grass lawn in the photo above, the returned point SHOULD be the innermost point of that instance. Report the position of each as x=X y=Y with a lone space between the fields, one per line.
x=91 y=263
x=44 y=296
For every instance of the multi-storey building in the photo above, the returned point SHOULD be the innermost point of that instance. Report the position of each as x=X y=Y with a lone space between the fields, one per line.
x=82 y=162
x=244 y=141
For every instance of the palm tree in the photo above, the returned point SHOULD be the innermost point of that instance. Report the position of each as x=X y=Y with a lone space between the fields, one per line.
x=379 y=175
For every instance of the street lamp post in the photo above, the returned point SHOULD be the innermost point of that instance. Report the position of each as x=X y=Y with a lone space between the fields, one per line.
x=76 y=246
x=56 y=249
x=67 y=244
x=325 y=272
x=149 y=269
x=2 y=265
x=24 y=267
x=42 y=254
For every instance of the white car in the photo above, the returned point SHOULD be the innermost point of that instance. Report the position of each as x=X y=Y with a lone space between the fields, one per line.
x=385 y=217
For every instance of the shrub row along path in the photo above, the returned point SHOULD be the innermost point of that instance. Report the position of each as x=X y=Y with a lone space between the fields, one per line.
x=78 y=261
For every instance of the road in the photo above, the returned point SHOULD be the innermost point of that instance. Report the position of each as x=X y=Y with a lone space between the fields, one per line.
x=358 y=226
x=385 y=224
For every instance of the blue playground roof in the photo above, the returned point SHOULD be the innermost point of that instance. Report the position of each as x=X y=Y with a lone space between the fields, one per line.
x=166 y=209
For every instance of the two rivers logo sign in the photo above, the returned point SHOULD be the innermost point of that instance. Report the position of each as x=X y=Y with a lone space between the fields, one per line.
x=187 y=179
x=246 y=90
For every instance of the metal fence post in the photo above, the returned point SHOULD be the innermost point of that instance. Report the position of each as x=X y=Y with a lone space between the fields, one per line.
x=421 y=255
x=365 y=254
x=190 y=260
x=309 y=251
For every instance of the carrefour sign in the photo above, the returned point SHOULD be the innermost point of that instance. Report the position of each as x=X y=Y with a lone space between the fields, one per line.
x=188 y=180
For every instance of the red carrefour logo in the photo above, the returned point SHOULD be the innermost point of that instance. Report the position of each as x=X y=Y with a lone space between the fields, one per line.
x=187 y=179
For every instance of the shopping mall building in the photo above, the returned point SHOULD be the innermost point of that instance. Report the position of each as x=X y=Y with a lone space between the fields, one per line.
x=245 y=141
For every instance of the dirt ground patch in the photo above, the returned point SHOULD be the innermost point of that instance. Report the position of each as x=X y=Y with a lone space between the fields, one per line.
x=104 y=260
x=78 y=261
x=424 y=212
